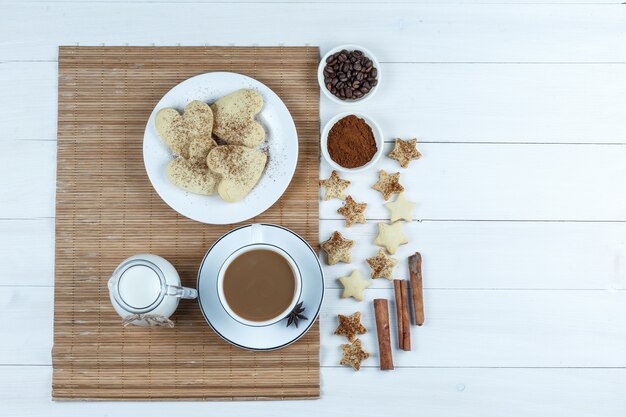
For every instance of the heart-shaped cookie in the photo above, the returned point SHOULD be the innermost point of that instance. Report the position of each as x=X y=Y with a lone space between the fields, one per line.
x=239 y=168
x=193 y=177
x=191 y=129
x=234 y=118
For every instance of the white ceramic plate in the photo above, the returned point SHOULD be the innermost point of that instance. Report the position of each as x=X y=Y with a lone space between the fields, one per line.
x=277 y=335
x=281 y=145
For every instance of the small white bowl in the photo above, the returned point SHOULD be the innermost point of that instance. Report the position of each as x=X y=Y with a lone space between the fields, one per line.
x=349 y=47
x=378 y=137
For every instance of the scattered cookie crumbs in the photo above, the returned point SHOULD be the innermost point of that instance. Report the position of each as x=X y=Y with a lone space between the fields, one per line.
x=353 y=212
x=338 y=249
x=334 y=186
x=405 y=151
x=401 y=209
x=382 y=265
x=390 y=236
x=354 y=285
x=388 y=184
x=350 y=326
x=353 y=354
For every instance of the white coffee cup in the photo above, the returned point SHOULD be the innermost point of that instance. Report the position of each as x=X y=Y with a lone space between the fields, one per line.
x=294 y=270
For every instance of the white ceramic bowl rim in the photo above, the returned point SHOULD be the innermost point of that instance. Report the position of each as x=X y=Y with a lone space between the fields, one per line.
x=378 y=136
x=349 y=47
x=248 y=248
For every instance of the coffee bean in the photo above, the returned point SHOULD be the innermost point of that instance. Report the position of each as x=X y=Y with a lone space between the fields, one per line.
x=349 y=75
x=374 y=82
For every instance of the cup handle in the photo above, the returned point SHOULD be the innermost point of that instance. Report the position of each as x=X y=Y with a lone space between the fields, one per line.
x=182 y=292
x=256 y=233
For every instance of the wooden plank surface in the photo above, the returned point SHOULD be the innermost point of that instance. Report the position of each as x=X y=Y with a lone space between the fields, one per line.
x=471 y=100
x=526 y=102
x=542 y=253
x=485 y=392
x=464 y=328
x=397 y=32
x=533 y=182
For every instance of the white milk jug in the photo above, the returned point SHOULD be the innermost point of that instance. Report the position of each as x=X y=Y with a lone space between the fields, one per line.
x=145 y=290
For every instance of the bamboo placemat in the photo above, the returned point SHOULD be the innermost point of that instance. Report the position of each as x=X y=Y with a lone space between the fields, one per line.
x=107 y=210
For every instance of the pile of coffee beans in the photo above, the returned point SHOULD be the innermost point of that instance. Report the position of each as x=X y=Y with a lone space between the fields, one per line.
x=349 y=75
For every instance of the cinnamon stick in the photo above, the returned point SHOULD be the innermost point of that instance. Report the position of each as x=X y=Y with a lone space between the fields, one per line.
x=401 y=292
x=397 y=290
x=406 y=324
x=381 y=311
x=415 y=271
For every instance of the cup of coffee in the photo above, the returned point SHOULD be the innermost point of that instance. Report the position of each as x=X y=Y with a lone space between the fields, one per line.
x=259 y=284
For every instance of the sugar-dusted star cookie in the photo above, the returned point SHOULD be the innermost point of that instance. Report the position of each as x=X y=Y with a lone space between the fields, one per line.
x=388 y=184
x=401 y=209
x=338 y=248
x=350 y=326
x=354 y=285
x=353 y=354
x=353 y=212
x=334 y=186
x=405 y=151
x=382 y=265
x=390 y=236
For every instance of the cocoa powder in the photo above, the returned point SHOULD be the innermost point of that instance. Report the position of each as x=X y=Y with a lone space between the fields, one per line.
x=351 y=142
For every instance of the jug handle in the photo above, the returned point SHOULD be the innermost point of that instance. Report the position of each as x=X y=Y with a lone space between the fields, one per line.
x=182 y=292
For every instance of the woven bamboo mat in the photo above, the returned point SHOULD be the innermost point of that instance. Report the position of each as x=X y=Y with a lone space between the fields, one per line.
x=107 y=210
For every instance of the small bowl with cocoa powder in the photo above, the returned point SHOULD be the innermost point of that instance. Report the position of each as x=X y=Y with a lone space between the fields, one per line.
x=351 y=142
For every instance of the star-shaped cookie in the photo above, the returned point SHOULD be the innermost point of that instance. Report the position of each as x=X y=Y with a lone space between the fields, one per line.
x=401 y=209
x=354 y=285
x=390 y=236
x=388 y=184
x=334 y=186
x=405 y=151
x=338 y=248
x=353 y=354
x=350 y=326
x=353 y=212
x=382 y=265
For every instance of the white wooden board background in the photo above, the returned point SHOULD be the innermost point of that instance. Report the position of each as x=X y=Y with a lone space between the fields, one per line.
x=520 y=108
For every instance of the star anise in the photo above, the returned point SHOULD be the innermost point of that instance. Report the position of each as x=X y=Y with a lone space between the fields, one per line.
x=296 y=315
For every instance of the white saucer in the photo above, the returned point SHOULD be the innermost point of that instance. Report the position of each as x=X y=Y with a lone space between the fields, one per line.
x=281 y=144
x=277 y=335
